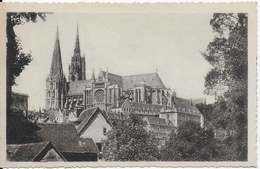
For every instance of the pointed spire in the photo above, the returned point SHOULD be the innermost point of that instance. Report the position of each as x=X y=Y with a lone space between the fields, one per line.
x=56 y=65
x=107 y=74
x=77 y=46
x=93 y=75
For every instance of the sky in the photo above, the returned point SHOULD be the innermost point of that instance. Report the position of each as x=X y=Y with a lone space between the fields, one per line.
x=125 y=44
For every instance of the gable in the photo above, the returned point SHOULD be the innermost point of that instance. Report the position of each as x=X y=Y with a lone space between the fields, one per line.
x=95 y=128
x=151 y=79
x=87 y=117
x=63 y=136
x=126 y=104
x=52 y=155
x=101 y=76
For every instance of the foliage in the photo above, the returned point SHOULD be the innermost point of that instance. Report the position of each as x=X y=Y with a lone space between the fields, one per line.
x=129 y=141
x=190 y=143
x=16 y=59
x=206 y=110
x=228 y=53
x=19 y=129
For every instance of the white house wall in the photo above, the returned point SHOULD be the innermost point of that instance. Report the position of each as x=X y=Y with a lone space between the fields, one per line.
x=94 y=129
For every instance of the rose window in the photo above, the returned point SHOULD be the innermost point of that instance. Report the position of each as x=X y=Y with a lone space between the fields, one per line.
x=99 y=96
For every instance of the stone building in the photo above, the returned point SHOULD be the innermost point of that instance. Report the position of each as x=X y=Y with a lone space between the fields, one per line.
x=144 y=94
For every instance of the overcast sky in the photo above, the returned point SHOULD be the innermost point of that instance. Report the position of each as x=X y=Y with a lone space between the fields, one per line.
x=124 y=43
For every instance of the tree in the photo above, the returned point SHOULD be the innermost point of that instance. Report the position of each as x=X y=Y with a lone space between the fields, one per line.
x=190 y=143
x=206 y=110
x=20 y=130
x=228 y=53
x=16 y=60
x=129 y=141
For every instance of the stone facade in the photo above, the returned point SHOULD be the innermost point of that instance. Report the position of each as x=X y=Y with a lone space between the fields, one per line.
x=143 y=94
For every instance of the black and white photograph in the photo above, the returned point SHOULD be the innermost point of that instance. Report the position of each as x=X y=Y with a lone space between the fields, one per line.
x=142 y=86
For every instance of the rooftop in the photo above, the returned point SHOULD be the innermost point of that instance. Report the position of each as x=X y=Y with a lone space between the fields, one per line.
x=63 y=136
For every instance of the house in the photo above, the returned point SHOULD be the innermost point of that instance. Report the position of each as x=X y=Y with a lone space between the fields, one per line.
x=93 y=123
x=66 y=139
x=34 y=152
x=160 y=128
x=89 y=146
x=182 y=110
x=146 y=109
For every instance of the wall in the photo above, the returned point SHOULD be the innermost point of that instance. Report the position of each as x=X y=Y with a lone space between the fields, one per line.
x=51 y=155
x=95 y=129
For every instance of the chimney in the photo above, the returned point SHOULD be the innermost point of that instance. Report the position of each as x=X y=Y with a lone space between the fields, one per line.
x=191 y=101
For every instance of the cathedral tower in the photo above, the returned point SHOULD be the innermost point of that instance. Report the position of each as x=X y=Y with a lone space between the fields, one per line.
x=56 y=81
x=77 y=68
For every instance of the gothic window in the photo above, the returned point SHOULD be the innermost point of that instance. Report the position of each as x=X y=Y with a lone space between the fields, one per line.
x=110 y=95
x=53 y=94
x=51 y=86
x=88 y=96
x=139 y=95
x=49 y=94
x=99 y=96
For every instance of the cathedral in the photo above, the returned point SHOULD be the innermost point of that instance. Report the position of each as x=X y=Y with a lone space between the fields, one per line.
x=145 y=94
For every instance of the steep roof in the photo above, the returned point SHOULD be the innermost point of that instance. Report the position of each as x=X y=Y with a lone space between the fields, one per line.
x=86 y=116
x=113 y=78
x=185 y=104
x=63 y=136
x=77 y=87
x=146 y=106
x=151 y=79
x=56 y=64
x=89 y=145
x=28 y=152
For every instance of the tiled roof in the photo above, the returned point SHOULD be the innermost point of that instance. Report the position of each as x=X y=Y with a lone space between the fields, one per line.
x=114 y=79
x=158 y=121
x=62 y=136
x=77 y=87
x=151 y=79
x=185 y=104
x=85 y=117
x=89 y=145
x=145 y=106
x=25 y=152
x=128 y=82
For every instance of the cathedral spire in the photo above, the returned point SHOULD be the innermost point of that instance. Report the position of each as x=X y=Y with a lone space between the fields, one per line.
x=93 y=75
x=107 y=74
x=77 y=46
x=56 y=65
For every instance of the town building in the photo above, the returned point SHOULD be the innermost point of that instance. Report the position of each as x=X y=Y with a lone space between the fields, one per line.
x=97 y=103
x=93 y=123
x=34 y=152
x=67 y=141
